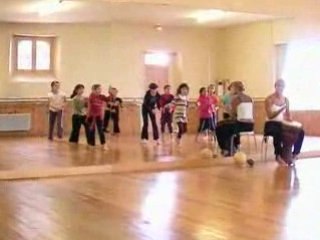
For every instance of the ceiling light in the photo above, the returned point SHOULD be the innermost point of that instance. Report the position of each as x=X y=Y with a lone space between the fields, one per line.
x=204 y=16
x=48 y=7
x=158 y=28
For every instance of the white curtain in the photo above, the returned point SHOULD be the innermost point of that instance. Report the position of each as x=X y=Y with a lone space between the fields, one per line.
x=301 y=71
x=281 y=52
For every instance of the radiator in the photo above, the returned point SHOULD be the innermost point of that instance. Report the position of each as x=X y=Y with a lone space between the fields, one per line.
x=15 y=122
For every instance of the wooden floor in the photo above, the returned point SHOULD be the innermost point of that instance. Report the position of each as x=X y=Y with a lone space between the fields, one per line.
x=261 y=203
x=25 y=158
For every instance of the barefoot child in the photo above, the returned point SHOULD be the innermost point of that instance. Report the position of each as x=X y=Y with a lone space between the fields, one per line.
x=151 y=101
x=79 y=113
x=205 y=107
x=57 y=101
x=180 y=104
x=96 y=104
x=113 y=111
x=166 y=109
x=215 y=103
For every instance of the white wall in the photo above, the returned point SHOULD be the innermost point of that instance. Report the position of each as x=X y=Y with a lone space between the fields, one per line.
x=246 y=53
x=110 y=54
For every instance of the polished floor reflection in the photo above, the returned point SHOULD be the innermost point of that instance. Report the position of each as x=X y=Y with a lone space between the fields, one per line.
x=24 y=153
x=265 y=202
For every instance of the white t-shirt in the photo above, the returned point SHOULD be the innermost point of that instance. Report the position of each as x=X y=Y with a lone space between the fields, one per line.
x=245 y=111
x=56 y=101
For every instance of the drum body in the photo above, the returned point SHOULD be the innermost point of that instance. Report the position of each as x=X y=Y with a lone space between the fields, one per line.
x=290 y=133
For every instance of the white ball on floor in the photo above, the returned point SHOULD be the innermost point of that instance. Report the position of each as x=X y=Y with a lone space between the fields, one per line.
x=240 y=158
x=206 y=153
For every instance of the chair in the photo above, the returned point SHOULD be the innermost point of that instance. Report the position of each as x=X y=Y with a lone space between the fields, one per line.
x=244 y=111
x=264 y=149
x=248 y=135
x=264 y=143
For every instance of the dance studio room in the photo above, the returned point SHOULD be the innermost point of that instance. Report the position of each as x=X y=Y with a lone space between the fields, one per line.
x=159 y=120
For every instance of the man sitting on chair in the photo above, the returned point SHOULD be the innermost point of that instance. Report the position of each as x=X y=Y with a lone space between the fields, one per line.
x=277 y=109
x=241 y=120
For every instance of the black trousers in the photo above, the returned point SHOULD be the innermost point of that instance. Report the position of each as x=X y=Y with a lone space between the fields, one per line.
x=146 y=114
x=182 y=129
x=114 y=116
x=274 y=129
x=226 y=116
x=227 y=128
x=53 y=118
x=94 y=122
x=206 y=124
x=77 y=121
x=166 y=119
x=214 y=119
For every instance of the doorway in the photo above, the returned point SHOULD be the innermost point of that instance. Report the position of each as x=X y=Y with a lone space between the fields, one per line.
x=157 y=69
x=156 y=66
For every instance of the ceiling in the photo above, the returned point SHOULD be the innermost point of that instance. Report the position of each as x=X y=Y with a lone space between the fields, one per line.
x=75 y=11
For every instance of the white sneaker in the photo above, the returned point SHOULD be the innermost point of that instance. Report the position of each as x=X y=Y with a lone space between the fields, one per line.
x=144 y=141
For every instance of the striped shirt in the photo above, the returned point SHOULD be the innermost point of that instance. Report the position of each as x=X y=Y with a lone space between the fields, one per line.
x=181 y=104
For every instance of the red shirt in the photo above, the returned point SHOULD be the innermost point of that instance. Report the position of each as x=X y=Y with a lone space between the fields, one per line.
x=215 y=101
x=164 y=100
x=205 y=106
x=96 y=105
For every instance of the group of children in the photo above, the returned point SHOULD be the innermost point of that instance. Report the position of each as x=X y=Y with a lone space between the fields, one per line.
x=93 y=113
x=173 y=110
x=96 y=111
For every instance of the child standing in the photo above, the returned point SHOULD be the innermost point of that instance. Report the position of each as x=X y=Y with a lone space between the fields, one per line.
x=226 y=103
x=205 y=107
x=215 y=103
x=79 y=113
x=180 y=103
x=113 y=111
x=95 y=115
x=107 y=112
x=151 y=101
x=166 y=109
x=57 y=100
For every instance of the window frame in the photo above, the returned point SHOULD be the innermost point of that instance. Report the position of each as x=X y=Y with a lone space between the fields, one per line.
x=33 y=72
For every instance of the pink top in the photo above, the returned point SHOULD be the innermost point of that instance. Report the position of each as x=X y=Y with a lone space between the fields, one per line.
x=96 y=105
x=215 y=101
x=205 y=106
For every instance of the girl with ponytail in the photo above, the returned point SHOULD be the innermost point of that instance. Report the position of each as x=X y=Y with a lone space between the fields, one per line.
x=79 y=113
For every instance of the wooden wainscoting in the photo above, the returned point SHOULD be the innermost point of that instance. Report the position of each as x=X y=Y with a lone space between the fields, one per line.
x=39 y=115
x=130 y=120
x=130 y=116
x=259 y=115
x=309 y=119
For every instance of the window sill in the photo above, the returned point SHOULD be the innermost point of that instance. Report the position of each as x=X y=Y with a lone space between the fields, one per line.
x=33 y=77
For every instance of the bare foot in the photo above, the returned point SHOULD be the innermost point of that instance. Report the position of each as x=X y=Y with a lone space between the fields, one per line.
x=105 y=147
x=90 y=147
x=144 y=141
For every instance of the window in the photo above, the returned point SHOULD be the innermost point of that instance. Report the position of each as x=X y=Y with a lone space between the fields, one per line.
x=300 y=70
x=33 y=55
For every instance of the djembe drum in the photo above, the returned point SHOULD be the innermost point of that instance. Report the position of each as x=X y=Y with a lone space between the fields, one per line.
x=290 y=133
